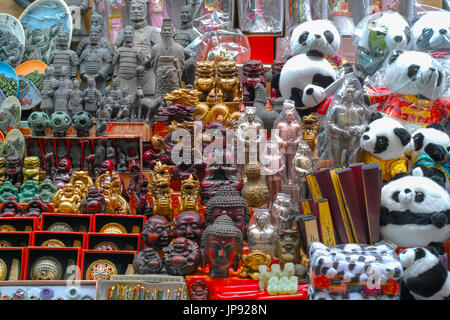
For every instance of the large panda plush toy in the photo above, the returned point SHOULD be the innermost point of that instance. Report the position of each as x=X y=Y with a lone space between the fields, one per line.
x=304 y=79
x=424 y=275
x=431 y=32
x=413 y=92
x=414 y=212
x=384 y=143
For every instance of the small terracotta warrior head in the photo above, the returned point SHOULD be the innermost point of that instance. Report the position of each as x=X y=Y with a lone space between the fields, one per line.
x=147 y=261
x=228 y=201
x=221 y=247
x=96 y=21
x=186 y=14
x=157 y=233
x=189 y=224
x=62 y=39
x=95 y=36
x=128 y=36
x=138 y=10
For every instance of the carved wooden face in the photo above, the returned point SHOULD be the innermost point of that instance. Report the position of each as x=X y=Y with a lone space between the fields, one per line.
x=220 y=253
x=237 y=214
x=190 y=225
x=157 y=232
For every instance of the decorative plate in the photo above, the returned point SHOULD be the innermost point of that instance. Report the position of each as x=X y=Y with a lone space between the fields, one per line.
x=33 y=70
x=101 y=270
x=107 y=246
x=14 y=144
x=6 y=227
x=60 y=227
x=54 y=243
x=113 y=228
x=9 y=82
x=46 y=268
x=29 y=96
x=41 y=21
x=3 y=269
x=11 y=112
x=12 y=39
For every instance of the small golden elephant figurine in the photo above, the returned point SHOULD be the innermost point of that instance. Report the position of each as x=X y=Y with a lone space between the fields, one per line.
x=251 y=263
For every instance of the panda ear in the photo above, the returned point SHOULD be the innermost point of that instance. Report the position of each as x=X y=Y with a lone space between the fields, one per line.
x=375 y=116
x=404 y=135
x=394 y=56
x=437 y=126
x=408 y=34
x=436 y=248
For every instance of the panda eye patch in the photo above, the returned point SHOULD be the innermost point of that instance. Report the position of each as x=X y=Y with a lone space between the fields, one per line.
x=367 y=129
x=420 y=196
x=412 y=71
x=395 y=196
x=439 y=81
x=303 y=37
x=329 y=36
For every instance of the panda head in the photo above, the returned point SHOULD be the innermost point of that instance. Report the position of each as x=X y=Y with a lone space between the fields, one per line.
x=320 y=35
x=416 y=194
x=434 y=133
x=415 y=73
x=304 y=78
x=394 y=29
x=431 y=32
x=385 y=137
x=412 y=256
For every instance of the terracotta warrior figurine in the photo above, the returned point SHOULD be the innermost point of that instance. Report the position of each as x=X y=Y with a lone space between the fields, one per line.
x=145 y=37
x=35 y=207
x=346 y=124
x=76 y=103
x=189 y=224
x=91 y=97
x=48 y=89
x=116 y=95
x=61 y=95
x=221 y=247
x=228 y=201
x=182 y=257
x=62 y=56
x=156 y=233
x=95 y=62
x=262 y=235
x=10 y=208
x=147 y=261
x=103 y=117
x=190 y=191
x=93 y=202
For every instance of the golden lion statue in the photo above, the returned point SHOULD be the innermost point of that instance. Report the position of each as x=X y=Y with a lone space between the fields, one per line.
x=205 y=80
x=228 y=82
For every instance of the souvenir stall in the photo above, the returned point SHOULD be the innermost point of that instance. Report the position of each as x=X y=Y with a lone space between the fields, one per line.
x=222 y=150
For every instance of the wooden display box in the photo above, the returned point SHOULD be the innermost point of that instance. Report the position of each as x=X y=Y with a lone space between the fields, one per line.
x=7 y=255
x=19 y=223
x=78 y=222
x=16 y=239
x=63 y=255
x=69 y=239
x=125 y=242
x=123 y=260
x=132 y=223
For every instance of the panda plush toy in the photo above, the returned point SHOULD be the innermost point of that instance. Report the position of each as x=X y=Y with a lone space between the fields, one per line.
x=376 y=37
x=431 y=32
x=384 y=142
x=414 y=211
x=424 y=275
x=413 y=92
x=304 y=79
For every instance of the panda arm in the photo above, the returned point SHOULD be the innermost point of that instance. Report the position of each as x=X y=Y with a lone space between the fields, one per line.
x=429 y=282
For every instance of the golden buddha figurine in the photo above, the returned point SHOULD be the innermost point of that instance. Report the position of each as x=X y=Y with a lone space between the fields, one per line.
x=190 y=190
x=162 y=202
x=67 y=200
x=251 y=263
x=112 y=192
x=2 y=170
x=32 y=169
x=81 y=181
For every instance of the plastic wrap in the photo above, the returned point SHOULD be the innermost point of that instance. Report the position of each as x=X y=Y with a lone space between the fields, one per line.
x=249 y=135
x=274 y=168
x=261 y=234
x=354 y=272
x=164 y=9
x=213 y=14
x=220 y=45
x=376 y=37
x=283 y=214
x=344 y=124
x=412 y=88
x=302 y=165
x=115 y=16
x=261 y=16
x=297 y=11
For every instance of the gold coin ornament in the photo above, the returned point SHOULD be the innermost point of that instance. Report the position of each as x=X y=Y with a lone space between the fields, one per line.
x=101 y=270
x=107 y=246
x=60 y=227
x=6 y=227
x=53 y=243
x=3 y=270
x=46 y=268
x=113 y=228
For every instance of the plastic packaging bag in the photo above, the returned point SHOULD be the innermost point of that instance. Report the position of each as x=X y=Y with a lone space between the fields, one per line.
x=213 y=14
x=261 y=234
x=297 y=11
x=344 y=124
x=164 y=9
x=261 y=16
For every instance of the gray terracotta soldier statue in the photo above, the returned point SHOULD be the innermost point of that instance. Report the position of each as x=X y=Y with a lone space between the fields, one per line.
x=95 y=62
x=167 y=47
x=63 y=56
x=91 y=97
x=78 y=10
x=184 y=36
x=96 y=23
x=107 y=100
x=62 y=93
x=145 y=37
x=116 y=95
x=48 y=89
x=75 y=99
x=125 y=106
x=102 y=119
x=129 y=62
